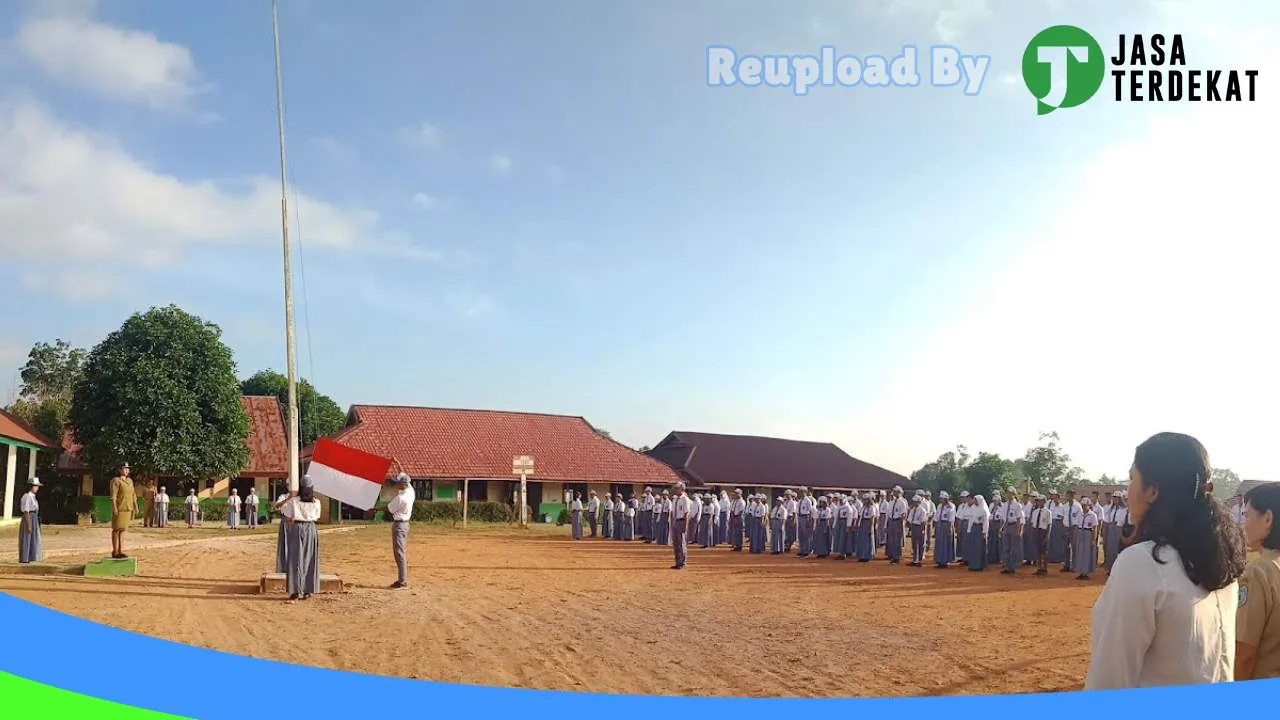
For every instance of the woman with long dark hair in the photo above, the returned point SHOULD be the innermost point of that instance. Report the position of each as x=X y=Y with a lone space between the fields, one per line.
x=302 y=566
x=1167 y=615
x=1258 y=619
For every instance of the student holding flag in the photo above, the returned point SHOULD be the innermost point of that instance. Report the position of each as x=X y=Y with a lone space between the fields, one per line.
x=400 y=510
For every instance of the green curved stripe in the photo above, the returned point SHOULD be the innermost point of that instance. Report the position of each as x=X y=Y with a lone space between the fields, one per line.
x=34 y=700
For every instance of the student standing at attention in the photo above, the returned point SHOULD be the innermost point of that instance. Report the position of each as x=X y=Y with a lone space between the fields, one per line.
x=575 y=517
x=944 y=549
x=593 y=509
x=233 y=510
x=251 y=508
x=302 y=574
x=400 y=509
x=162 y=509
x=1013 y=519
x=282 y=540
x=681 y=508
x=193 y=508
x=1258 y=619
x=30 y=549
x=1167 y=615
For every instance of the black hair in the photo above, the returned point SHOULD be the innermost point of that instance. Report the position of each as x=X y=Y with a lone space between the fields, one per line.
x=306 y=493
x=1183 y=515
x=1263 y=498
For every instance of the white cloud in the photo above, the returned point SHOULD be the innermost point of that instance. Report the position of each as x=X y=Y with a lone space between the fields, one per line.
x=424 y=136
x=500 y=164
x=73 y=284
x=68 y=192
x=949 y=19
x=426 y=201
x=69 y=45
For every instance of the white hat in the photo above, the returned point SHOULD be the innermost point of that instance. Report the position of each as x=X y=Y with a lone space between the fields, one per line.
x=1086 y=500
x=1012 y=489
x=964 y=493
x=897 y=488
x=944 y=495
x=33 y=482
x=401 y=479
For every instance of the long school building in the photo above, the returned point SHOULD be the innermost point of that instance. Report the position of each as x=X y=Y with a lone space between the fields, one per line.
x=768 y=465
x=446 y=450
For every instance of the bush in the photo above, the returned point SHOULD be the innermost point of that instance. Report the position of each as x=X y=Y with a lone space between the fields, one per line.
x=451 y=512
x=563 y=518
x=82 y=505
x=209 y=511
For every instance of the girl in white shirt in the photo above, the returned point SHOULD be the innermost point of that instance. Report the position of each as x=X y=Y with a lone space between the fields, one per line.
x=1167 y=615
x=30 y=549
x=822 y=531
x=1085 y=555
x=302 y=574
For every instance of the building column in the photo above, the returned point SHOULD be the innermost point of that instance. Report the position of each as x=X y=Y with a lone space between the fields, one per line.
x=86 y=484
x=31 y=464
x=10 y=471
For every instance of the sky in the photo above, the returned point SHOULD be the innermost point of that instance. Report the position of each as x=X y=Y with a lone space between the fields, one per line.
x=543 y=206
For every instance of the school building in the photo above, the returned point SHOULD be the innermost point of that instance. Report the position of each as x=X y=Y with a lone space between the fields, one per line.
x=444 y=450
x=20 y=445
x=710 y=461
x=267 y=469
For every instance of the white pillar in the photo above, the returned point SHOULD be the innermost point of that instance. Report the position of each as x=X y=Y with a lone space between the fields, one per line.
x=11 y=470
x=31 y=464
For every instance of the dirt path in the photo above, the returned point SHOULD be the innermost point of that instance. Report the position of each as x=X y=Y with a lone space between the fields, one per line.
x=497 y=608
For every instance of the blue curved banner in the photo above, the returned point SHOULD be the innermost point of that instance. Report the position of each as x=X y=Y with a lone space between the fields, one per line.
x=46 y=647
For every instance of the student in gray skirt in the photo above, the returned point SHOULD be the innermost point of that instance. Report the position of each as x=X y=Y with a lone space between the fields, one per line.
x=302 y=569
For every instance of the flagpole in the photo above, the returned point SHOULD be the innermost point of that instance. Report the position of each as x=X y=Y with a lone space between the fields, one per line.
x=290 y=345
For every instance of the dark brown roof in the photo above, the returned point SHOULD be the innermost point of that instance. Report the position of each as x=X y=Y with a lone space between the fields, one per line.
x=448 y=443
x=747 y=460
x=1100 y=489
x=15 y=428
x=267 y=441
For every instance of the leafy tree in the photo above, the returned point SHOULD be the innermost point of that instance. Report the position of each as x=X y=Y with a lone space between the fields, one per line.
x=948 y=472
x=989 y=471
x=1225 y=483
x=48 y=380
x=318 y=415
x=644 y=449
x=161 y=393
x=1048 y=467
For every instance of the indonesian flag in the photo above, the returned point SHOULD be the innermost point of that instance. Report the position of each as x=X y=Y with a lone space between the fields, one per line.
x=348 y=475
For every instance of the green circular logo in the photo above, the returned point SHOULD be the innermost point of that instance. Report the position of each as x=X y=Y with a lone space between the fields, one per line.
x=1063 y=67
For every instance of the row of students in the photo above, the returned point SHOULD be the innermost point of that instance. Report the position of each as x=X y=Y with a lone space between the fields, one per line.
x=1011 y=531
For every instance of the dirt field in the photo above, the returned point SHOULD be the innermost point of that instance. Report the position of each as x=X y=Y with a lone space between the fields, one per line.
x=497 y=607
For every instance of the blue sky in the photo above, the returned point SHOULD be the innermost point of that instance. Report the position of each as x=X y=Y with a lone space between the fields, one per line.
x=543 y=206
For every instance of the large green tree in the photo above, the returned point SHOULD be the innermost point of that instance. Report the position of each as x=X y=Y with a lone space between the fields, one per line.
x=990 y=471
x=161 y=393
x=48 y=381
x=945 y=473
x=1225 y=483
x=318 y=415
x=1048 y=467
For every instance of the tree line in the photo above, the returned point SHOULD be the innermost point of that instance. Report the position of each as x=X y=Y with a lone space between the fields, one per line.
x=1046 y=467
x=160 y=393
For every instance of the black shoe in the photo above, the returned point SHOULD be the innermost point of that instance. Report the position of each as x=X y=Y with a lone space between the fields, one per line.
x=1082 y=577
x=293 y=597
x=677 y=567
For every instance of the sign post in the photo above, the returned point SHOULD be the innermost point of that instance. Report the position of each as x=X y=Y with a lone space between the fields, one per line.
x=466 y=493
x=522 y=465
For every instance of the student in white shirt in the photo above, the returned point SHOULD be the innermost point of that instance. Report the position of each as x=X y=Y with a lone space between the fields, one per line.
x=710 y=518
x=1167 y=615
x=979 y=520
x=737 y=515
x=681 y=514
x=944 y=551
x=575 y=517
x=1072 y=512
x=250 y=508
x=30 y=547
x=722 y=535
x=777 y=526
x=918 y=521
x=302 y=572
x=894 y=528
x=162 y=509
x=1113 y=531
x=1013 y=522
x=607 y=529
x=233 y=510
x=840 y=514
x=593 y=511
x=1038 y=526
x=805 y=521
x=964 y=506
x=400 y=512
x=791 y=528
x=1086 y=551
x=193 y=508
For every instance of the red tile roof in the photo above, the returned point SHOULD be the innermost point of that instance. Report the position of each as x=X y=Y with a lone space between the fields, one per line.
x=267 y=441
x=752 y=461
x=455 y=444
x=14 y=428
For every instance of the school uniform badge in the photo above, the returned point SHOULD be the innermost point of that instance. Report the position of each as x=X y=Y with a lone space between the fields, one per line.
x=1244 y=595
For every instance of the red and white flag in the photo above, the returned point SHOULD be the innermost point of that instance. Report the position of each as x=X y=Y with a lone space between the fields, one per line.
x=348 y=475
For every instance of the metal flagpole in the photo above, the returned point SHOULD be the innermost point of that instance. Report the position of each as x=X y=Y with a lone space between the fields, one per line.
x=290 y=345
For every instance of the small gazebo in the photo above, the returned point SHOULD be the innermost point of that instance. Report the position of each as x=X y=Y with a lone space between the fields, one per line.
x=16 y=435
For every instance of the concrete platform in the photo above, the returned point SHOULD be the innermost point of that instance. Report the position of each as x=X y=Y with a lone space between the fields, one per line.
x=275 y=583
x=111 y=567
x=40 y=569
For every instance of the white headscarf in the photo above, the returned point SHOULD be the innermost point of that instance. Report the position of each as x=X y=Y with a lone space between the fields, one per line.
x=984 y=513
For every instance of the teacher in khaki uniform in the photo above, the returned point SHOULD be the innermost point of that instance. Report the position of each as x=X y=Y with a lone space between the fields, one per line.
x=124 y=503
x=1258 y=614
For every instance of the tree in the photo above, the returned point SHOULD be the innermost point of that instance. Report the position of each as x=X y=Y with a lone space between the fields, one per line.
x=1048 y=466
x=161 y=393
x=644 y=449
x=318 y=415
x=945 y=473
x=1225 y=483
x=989 y=472
x=51 y=372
